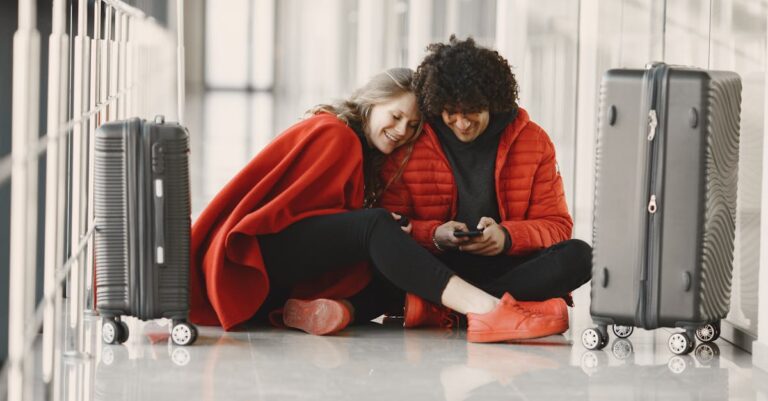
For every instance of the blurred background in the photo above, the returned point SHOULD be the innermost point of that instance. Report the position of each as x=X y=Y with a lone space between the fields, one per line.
x=253 y=67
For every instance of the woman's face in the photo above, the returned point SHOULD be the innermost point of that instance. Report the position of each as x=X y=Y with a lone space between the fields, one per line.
x=392 y=123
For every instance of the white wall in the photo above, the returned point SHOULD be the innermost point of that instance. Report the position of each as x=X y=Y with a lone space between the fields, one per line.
x=760 y=347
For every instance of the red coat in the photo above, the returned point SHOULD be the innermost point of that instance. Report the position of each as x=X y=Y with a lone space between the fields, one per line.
x=529 y=189
x=314 y=168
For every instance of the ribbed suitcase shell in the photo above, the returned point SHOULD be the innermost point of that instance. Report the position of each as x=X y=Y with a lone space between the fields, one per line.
x=133 y=276
x=673 y=267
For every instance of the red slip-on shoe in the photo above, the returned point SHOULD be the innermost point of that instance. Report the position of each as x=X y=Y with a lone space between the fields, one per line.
x=553 y=307
x=421 y=313
x=509 y=321
x=318 y=316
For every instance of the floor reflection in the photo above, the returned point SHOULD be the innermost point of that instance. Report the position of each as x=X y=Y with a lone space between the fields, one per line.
x=695 y=377
x=385 y=362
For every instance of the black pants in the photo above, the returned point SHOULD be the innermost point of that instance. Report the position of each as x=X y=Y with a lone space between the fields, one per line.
x=319 y=244
x=550 y=273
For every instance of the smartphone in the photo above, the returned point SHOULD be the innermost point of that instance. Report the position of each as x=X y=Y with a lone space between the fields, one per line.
x=403 y=221
x=468 y=234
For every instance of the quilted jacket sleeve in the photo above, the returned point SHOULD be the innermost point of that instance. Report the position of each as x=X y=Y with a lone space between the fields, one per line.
x=547 y=220
x=397 y=198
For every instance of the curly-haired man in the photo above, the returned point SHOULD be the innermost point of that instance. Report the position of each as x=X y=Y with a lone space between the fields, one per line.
x=482 y=165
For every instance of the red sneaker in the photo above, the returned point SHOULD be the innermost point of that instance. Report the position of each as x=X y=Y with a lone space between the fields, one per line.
x=421 y=313
x=509 y=321
x=318 y=316
x=553 y=307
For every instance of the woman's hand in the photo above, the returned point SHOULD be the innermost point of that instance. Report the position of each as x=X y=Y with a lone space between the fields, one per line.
x=407 y=228
x=490 y=243
x=444 y=235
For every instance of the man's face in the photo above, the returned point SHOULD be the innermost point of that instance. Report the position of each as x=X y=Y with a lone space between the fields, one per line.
x=466 y=126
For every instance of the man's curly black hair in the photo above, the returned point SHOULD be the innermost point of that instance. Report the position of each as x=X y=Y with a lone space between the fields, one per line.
x=460 y=76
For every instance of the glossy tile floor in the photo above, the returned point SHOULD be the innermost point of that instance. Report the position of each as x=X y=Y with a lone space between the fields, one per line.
x=382 y=361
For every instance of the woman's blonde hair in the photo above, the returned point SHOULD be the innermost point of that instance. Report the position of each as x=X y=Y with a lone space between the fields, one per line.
x=356 y=110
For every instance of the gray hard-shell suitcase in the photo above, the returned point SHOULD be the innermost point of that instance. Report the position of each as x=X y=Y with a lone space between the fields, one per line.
x=142 y=213
x=665 y=202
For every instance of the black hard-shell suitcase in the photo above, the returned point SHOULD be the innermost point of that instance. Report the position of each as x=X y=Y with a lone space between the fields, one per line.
x=665 y=202
x=142 y=212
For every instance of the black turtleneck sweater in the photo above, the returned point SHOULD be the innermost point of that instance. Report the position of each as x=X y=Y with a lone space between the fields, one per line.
x=368 y=150
x=370 y=155
x=473 y=166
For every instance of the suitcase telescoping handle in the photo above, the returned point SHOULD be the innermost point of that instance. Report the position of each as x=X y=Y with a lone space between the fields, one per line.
x=158 y=169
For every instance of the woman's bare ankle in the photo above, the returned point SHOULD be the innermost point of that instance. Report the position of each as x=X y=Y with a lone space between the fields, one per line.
x=464 y=298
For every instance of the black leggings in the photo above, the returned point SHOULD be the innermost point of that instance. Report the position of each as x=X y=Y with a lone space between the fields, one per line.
x=549 y=273
x=313 y=246
x=319 y=244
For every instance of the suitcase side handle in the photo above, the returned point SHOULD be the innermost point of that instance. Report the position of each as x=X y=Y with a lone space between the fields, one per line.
x=158 y=168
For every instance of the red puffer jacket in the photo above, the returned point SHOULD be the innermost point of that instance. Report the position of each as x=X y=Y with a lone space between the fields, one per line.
x=529 y=189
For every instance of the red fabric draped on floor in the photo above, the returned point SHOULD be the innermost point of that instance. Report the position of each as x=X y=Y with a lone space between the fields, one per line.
x=314 y=168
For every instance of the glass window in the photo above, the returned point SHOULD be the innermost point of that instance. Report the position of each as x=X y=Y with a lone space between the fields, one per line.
x=226 y=43
x=540 y=41
x=476 y=18
x=316 y=60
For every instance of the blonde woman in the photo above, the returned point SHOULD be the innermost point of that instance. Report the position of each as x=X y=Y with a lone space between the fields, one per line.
x=294 y=222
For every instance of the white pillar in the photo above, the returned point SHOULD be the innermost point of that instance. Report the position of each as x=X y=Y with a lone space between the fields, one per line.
x=370 y=39
x=180 y=61
x=93 y=123
x=419 y=29
x=54 y=230
x=121 y=26
x=512 y=35
x=588 y=84
x=113 y=65
x=586 y=115
x=78 y=174
x=26 y=80
x=760 y=347
x=105 y=57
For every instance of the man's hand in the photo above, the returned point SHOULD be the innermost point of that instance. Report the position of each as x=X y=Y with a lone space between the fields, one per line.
x=444 y=234
x=407 y=228
x=490 y=243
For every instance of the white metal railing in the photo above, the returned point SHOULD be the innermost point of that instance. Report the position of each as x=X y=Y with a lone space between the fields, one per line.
x=125 y=68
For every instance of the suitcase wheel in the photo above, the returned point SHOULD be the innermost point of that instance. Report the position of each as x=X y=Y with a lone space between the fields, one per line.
x=183 y=333
x=592 y=361
x=114 y=332
x=679 y=363
x=180 y=356
x=622 y=349
x=622 y=331
x=706 y=353
x=681 y=343
x=123 y=331
x=594 y=338
x=708 y=332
